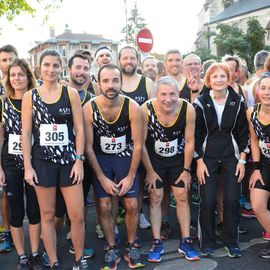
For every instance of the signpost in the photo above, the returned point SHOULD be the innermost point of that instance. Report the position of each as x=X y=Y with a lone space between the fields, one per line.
x=144 y=40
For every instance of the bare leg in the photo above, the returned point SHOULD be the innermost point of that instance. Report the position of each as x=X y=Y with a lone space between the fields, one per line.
x=131 y=218
x=34 y=236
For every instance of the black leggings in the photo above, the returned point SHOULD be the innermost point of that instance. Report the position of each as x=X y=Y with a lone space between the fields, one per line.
x=15 y=195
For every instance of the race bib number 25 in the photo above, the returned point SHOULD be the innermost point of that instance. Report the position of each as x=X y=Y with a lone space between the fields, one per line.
x=265 y=148
x=53 y=134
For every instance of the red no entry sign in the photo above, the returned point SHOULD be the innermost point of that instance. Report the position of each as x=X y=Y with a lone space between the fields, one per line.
x=144 y=40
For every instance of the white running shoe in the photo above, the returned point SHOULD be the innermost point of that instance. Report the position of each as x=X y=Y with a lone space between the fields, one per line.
x=143 y=222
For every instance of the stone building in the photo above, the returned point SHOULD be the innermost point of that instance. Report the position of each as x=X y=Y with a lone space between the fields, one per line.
x=68 y=43
x=231 y=12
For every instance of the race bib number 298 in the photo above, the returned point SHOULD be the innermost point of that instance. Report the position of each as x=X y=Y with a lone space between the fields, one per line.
x=166 y=149
x=53 y=134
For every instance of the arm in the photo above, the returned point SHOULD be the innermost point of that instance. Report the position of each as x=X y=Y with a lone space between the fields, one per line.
x=255 y=151
x=29 y=173
x=108 y=185
x=77 y=169
x=150 y=88
x=189 y=146
x=136 y=133
x=151 y=176
x=2 y=174
x=200 y=132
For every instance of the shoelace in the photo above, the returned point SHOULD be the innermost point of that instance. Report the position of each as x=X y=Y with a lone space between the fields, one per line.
x=110 y=256
x=134 y=254
x=24 y=260
x=83 y=263
x=154 y=245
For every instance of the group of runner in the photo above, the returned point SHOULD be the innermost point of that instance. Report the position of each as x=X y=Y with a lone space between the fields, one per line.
x=124 y=133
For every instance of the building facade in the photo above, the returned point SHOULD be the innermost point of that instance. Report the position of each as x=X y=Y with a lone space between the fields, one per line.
x=68 y=43
x=231 y=12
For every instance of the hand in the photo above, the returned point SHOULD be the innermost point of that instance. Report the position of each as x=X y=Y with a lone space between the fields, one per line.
x=109 y=186
x=191 y=82
x=77 y=172
x=185 y=177
x=151 y=179
x=125 y=185
x=2 y=178
x=201 y=171
x=30 y=176
x=256 y=176
x=240 y=171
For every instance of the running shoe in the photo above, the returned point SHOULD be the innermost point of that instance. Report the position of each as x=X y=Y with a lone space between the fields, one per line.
x=172 y=202
x=45 y=259
x=248 y=213
x=165 y=230
x=68 y=237
x=156 y=251
x=111 y=259
x=23 y=263
x=233 y=252
x=6 y=242
x=143 y=222
x=188 y=250
x=117 y=242
x=87 y=252
x=242 y=229
x=265 y=253
x=121 y=215
x=99 y=231
x=2 y=229
x=133 y=257
x=89 y=203
x=81 y=265
x=207 y=252
x=266 y=236
x=56 y=266
x=36 y=262
x=137 y=242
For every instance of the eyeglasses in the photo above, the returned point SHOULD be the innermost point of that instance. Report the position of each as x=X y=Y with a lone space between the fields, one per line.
x=265 y=75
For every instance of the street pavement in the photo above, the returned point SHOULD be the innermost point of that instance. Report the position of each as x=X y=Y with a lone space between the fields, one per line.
x=250 y=245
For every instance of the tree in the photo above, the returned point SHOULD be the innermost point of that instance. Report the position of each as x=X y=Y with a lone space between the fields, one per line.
x=204 y=54
x=255 y=37
x=134 y=23
x=9 y=9
x=231 y=40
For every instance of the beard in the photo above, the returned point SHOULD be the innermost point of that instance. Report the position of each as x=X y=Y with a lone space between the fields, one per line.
x=78 y=81
x=130 y=70
x=151 y=74
x=106 y=94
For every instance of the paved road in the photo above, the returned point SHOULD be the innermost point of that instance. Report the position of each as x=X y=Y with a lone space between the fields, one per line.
x=250 y=245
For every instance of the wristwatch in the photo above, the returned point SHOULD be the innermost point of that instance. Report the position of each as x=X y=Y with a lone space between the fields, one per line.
x=186 y=170
x=81 y=157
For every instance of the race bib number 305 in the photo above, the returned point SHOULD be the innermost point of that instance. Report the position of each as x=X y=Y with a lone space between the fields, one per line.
x=166 y=149
x=15 y=144
x=53 y=134
x=265 y=148
x=113 y=145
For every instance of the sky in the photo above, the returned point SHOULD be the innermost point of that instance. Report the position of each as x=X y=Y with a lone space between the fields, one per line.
x=173 y=23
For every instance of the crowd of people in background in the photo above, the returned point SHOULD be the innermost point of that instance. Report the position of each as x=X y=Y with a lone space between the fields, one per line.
x=177 y=130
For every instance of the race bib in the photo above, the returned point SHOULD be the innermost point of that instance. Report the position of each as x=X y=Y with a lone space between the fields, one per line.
x=265 y=148
x=113 y=145
x=166 y=149
x=53 y=134
x=15 y=144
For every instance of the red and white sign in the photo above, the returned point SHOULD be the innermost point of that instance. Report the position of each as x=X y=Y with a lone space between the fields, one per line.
x=144 y=40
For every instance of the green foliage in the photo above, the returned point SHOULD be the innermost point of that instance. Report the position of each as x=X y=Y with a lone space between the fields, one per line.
x=255 y=36
x=204 y=54
x=134 y=23
x=231 y=40
x=10 y=9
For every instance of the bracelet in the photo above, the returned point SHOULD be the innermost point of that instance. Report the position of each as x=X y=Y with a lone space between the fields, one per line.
x=256 y=165
x=241 y=161
x=186 y=170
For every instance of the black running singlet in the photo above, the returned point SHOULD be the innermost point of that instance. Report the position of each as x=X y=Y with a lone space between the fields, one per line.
x=2 y=89
x=85 y=96
x=54 y=138
x=140 y=94
x=112 y=138
x=12 y=125
x=166 y=142
x=262 y=131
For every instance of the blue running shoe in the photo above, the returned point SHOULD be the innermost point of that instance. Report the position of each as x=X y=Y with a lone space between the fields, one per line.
x=45 y=259
x=112 y=258
x=188 y=250
x=117 y=241
x=233 y=252
x=207 y=252
x=156 y=251
x=6 y=242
